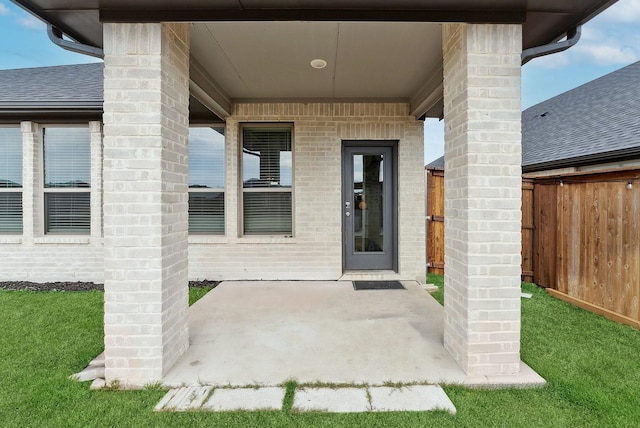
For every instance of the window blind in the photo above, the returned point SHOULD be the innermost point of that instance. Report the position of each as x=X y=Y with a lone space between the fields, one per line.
x=206 y=212
x=267 y=212
x=10 y=180
x=10 y=158
x=67 y=157
x=10 y=212
x=267 y=177
x=266 y=157
x=67 y=177
x=206 y=158
x=68 y=212
x=206 y=180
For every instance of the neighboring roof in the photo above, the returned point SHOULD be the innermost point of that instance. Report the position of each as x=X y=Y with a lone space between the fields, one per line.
x=594 y=123
x=68 y=84
x=64 y=92
x=438 y=163
x=69 y=90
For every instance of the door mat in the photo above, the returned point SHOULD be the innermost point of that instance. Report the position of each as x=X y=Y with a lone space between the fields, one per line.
x=377 y=285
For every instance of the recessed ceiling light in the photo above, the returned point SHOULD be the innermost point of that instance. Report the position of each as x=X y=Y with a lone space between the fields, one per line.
x=318 y=63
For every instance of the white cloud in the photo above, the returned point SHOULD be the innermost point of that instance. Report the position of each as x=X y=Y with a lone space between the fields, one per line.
x=590 y=32
x=624 y=11
x=551 y=61
x=4 y=10
x=610 y=39
x=31 y=22
x=606 y=53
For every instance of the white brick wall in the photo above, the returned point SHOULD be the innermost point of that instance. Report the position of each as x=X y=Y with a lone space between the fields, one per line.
x=482 y=196
x=145 y=199
x=34 y=256
x=315 y=251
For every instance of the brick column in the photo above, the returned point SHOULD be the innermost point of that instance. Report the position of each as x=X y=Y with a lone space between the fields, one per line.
x=32 y=204
x=146 y=91
x=95 y=130
x=482 y=196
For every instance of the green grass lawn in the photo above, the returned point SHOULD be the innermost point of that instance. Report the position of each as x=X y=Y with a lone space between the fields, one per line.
x=592 y=366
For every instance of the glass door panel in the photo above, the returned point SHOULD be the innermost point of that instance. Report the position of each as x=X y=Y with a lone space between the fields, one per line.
x=369 y=225
x=368 y=202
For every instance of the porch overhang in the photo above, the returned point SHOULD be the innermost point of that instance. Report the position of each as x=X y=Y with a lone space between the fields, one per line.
x=383 y=50
x=257 y=62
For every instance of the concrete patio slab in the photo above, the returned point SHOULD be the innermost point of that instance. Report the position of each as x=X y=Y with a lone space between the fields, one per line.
x=410 y=398
x=527 y=378
x=333 y=400
x=268 y=332
x=249 y=399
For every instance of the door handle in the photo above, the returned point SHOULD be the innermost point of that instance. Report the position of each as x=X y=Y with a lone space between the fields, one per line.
x=348 y=214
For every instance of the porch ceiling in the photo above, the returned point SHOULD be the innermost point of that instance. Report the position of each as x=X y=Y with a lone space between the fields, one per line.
x=261 y=50
x=263 y=60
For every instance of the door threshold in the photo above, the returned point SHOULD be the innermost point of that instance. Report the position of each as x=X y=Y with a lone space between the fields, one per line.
x=371 y=275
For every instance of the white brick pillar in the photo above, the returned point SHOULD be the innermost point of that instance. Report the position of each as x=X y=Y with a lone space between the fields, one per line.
x=32 y=186
x=146 y=92
x=482 y=196
x=95 y=131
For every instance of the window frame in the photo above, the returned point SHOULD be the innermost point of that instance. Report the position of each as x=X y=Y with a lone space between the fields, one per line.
x=211 y=189
x=47 y=190
x=20 y=189
x=242 y=190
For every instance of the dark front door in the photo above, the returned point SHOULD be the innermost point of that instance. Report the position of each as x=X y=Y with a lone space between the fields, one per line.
x=368 y=210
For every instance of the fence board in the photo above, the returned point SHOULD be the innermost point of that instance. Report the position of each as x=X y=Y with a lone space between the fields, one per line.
x=545 y=201
x=435 y=221
x=598 y=261
x=580 y=237
x=632 y=232
x=435 y=225
x=527 y=230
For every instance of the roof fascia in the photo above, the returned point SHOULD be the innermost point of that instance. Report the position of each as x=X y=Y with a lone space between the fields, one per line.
x=613 y=156
x=50 y=105
x=479 y=16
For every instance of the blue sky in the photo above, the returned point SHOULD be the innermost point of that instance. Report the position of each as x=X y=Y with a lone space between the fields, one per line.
x=610 y=41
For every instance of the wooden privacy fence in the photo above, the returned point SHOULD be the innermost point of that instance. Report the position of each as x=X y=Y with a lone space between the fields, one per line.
x=435 y=224
x=580 y=238
x=435 y=221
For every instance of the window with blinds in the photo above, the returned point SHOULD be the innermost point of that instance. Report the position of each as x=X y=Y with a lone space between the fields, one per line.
x=206 y=180
x=267 y=177
x=10 y=180
x=67 y=180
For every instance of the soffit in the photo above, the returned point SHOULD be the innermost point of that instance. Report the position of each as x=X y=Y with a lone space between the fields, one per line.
x=272 y=59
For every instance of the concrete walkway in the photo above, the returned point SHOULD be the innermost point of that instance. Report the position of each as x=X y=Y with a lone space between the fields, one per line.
x=268 y=332
x=334 y=400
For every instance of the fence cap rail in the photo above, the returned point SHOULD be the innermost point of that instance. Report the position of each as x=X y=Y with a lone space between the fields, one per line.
x=630 y=172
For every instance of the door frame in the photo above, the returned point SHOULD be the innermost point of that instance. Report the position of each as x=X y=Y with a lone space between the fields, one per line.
x=347 y=187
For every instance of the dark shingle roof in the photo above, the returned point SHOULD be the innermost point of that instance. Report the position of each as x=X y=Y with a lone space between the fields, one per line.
x=65 y=84
x=63 y=93
x=593 y=123
x=437 y=163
